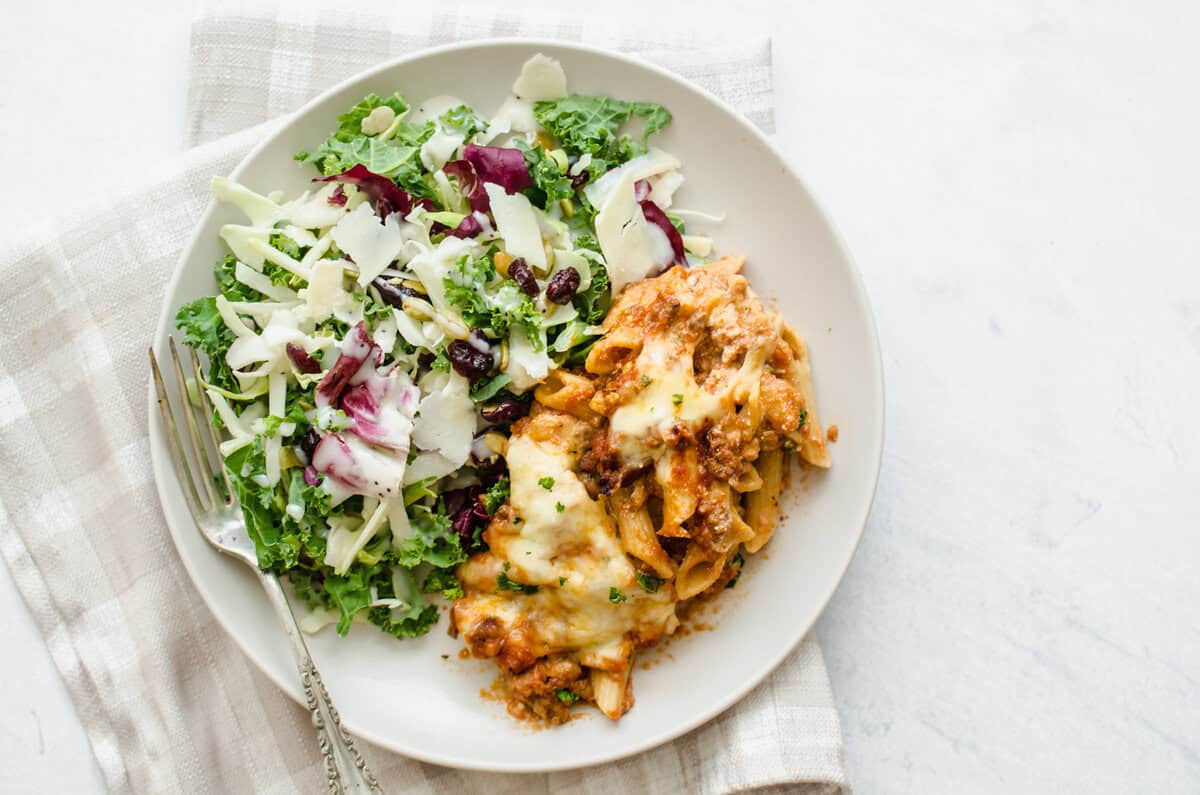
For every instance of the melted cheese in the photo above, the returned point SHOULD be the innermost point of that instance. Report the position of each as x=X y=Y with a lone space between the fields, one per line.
x=578 y=544
x=654 y=410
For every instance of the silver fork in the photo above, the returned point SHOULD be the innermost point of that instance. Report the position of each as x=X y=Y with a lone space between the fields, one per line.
x=214 y=505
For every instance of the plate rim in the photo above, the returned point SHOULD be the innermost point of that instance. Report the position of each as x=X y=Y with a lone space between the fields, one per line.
x=164 y=471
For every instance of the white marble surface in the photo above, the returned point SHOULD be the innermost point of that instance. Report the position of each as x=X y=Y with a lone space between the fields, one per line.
x=1021 y=188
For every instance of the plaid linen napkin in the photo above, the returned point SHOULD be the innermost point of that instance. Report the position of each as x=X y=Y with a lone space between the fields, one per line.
x=168 y=701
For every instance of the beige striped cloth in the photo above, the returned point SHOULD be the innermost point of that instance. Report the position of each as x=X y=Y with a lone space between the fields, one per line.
x=169 y=702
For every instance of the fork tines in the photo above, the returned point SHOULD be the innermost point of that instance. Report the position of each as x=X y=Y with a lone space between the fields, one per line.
x=193 y=452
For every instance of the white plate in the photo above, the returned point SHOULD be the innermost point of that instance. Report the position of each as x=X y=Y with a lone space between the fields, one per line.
x=402 y=694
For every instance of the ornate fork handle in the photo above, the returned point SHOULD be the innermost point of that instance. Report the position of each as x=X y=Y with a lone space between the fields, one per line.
x=345 y=769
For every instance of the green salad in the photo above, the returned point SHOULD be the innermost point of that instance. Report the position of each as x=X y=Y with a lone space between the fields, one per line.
x=370 y=341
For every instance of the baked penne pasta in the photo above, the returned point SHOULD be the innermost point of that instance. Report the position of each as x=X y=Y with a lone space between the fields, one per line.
x=762 y=506
x=635 y=484
x=637 y=533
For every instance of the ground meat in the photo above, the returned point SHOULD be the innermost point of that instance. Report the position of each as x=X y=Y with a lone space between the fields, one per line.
x=486 y=638
x=535 y=693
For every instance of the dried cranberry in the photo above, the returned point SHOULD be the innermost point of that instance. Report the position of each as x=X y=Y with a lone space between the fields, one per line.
x=520 y=271
x=580 y=179
x=394 y=294
x=562 y=286
x=468 y=361
x=425 y=360
x=309 y=442
x=505 y=411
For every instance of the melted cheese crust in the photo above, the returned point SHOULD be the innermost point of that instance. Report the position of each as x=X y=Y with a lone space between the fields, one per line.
x=587 y=603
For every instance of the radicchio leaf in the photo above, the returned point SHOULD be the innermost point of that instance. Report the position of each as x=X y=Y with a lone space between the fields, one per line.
x=656 y=216
x=386 y=197
x=356 y=347
x=469 y=184
x=303 y=360
x=467 y=227
x=504 y=167
x=461 y=507
x=381 y=407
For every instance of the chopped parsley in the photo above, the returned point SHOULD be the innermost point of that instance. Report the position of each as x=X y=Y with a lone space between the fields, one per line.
x=546 y=483
x=566 y=696
x=496 y=496
x=677 y=398
x=646 y=381
x=615 y=596
x=739 y=561
x=650 y=583
x=803 y=418
x=558 y=506
x=506 y=583
x=562 y=580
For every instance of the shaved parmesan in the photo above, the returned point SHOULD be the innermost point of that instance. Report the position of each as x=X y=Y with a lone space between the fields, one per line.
x=526 y=366
x=429 y=465
x=633 y=247
x=656 y=161
x=372 y=245
x=514 y=115
x=440 y=148
x=541 y=78
x=663 y=187
x=313 y=210
x=518 y=225
x=446 y=421
x=324 y=292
